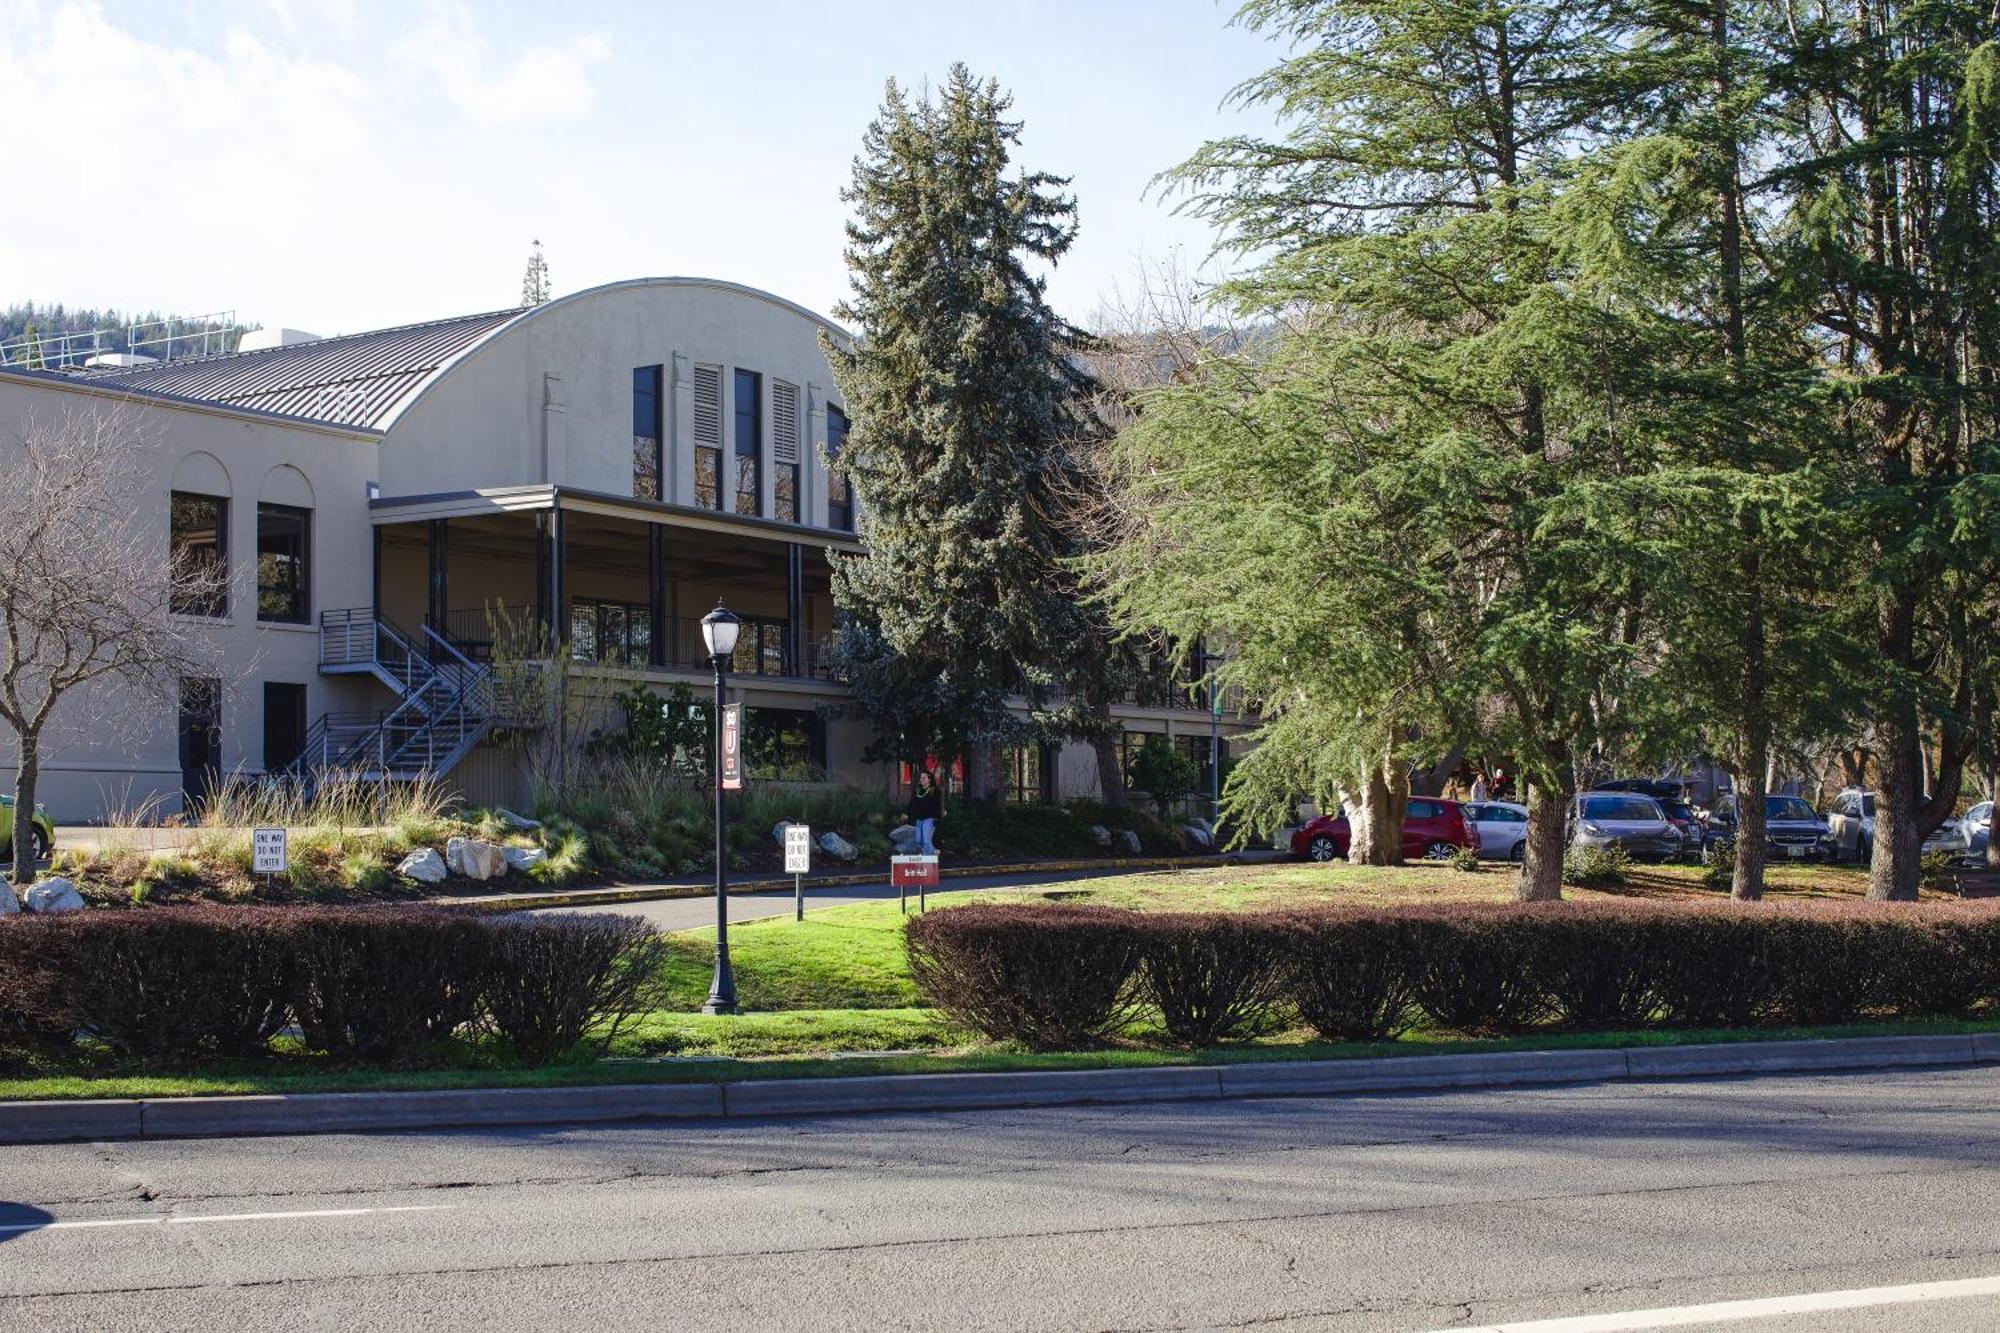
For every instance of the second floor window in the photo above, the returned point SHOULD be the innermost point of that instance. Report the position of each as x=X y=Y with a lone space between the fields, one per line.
x=198 y=544
x=284 y=554
x=839 y=494
x=646 y=433
x=749 y=442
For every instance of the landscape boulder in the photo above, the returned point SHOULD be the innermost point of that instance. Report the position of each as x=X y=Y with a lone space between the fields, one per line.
x=778 y=831
x=1198 y=837
x=1101 y=834
x=837 y=847
x=904 y=840
x=524 y=858
x=1128 y=842
x=9 y=904
x=519 y=823
x=424 y=866
x=54 y=895
x=476 y=859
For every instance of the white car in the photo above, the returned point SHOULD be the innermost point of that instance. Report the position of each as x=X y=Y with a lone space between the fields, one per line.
x=1850 y=820
x=1502 y=828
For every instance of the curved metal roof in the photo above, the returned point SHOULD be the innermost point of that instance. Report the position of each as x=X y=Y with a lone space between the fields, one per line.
x=359 y=379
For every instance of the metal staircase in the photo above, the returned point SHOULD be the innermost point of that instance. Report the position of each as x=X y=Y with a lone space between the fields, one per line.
x=446 y=704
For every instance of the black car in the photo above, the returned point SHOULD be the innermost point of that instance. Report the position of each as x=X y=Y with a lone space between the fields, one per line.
x=1793 y=830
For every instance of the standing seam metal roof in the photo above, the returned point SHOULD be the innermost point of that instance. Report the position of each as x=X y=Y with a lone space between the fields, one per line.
x=356 y=380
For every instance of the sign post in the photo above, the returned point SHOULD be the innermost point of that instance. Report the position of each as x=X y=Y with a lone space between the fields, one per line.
x=732 y=747
x=269 y=854
x=798 y=860
x=906 y=872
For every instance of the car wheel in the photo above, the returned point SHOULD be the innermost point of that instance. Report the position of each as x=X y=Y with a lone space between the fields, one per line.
x=1440 y=851
x=1322 y=849
x=41 y=846
x=1520 y=852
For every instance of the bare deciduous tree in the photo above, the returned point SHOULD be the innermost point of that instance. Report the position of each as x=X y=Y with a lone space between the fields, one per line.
x=87 y=586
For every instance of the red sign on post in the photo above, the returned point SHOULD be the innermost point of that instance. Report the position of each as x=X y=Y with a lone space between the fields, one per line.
x=732 y=747
x=911 y=872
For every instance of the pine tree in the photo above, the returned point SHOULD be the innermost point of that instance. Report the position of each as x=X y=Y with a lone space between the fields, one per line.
x=962 y=399
x=535 y=281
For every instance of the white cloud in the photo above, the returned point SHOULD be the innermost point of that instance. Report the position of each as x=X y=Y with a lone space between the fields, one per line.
x=542 y=83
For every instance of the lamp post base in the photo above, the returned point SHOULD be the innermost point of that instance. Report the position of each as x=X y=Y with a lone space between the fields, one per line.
x=715 y=1006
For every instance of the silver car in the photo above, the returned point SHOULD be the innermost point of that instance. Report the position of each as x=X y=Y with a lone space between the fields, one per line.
x=1502 y=828
x=1627 y=820
x=1851 y=821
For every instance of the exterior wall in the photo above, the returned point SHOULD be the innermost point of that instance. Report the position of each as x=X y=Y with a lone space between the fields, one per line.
x=110 y=749
x=549 y=397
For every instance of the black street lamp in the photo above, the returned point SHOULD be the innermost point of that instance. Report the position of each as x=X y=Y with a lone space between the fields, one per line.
x=1208 y=664
x=718 y=631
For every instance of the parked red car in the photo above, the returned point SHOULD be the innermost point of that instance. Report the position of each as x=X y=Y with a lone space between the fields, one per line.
x=1432 y=829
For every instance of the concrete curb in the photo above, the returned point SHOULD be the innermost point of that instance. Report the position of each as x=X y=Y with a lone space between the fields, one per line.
x=515 y=902
x=348 y=1112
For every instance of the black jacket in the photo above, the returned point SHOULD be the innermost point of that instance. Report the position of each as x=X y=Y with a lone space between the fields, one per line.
x=927 y=805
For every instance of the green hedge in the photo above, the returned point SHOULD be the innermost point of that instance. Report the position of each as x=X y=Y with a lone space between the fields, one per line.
x=1049 y=975
x=179 y=985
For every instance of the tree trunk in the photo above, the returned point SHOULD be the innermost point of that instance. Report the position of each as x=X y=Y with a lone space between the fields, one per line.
x=1375 y=830
x=1894 y=873
x=1548 y=834
x=1748 y=883
x=1992 y=843
x=25 y=777
x=1110 y=775
x=982 y=778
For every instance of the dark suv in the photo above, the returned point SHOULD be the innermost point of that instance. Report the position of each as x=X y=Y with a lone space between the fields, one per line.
x=1432 y=830
x=1793 y=830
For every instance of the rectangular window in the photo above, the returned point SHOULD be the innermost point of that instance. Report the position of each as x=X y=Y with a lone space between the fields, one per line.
x=839 y=497
x=785 y=451
x=198 y=545
x=284 y=554
x=284 y=723
x=646 y=433
x=749 y=442
x=760 y=649
x=708 y=436
x=617 y=632
x=784 y=744
x=1027 y=773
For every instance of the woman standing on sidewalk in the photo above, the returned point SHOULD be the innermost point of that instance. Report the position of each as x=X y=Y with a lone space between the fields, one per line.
x=926 y=809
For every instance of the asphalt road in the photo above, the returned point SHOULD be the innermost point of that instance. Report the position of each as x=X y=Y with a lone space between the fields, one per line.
x=1381 y=1213
x=688 y=913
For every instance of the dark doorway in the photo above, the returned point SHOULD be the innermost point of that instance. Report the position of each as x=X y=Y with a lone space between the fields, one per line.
x=201 y=738
x=284 y=723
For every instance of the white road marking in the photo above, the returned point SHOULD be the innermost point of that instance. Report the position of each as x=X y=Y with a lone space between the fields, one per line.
x=1680 y=1316
x=190 y=1219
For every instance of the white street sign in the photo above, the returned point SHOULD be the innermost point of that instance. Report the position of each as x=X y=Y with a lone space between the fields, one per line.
x=798 y=849
x=267 y=851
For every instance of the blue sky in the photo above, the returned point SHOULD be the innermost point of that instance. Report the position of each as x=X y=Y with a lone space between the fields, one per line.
x=338 y=166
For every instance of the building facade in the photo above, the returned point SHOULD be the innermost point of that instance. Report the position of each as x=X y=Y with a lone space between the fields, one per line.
x=407 y=516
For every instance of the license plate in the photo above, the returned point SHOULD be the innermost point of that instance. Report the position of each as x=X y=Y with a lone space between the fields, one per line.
x=1795 y=850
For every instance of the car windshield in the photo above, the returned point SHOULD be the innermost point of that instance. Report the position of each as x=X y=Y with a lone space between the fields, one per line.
x=1981 y=813
x=1868 y=805
x=1632 y=808
x=1787 y=807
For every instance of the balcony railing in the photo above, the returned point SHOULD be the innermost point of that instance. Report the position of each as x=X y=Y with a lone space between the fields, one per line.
x=621 y=635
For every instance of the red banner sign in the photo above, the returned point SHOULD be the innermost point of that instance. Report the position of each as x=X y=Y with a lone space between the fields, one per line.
x=732 y=747
x=912 y=872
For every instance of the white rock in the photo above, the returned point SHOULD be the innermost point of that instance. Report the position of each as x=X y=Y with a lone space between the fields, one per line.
x=1129 y=841
x=520 y=823
x=454 y=855
x=524 y=858
x=482 y=860
x=1101 y=834
x=9 y=904
x=54 y=895
x=425 y=866
x=1198 y=835
x=837 y=847
x=904 y=839
x=778 y=832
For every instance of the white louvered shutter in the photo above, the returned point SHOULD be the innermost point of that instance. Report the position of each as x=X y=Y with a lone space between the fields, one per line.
x=784 y=423
x=708 y=407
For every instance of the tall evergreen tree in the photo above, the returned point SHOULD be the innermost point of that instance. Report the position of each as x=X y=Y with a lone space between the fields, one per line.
x=1890 y=160
x=963 y=399
x=1411 y=202
x=535 y=280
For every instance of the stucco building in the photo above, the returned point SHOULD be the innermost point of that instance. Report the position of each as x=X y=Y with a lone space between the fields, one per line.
x=398 y=510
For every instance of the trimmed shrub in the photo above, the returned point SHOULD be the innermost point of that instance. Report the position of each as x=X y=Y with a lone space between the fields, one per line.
x=553 y=981
x=1951 y=968
x=386 y=983
x=164 y=984
x=1469 y=969
x=1595 y=867
x=1714 y=970
x=1829 y=968
x=1599 y=965
x=1045 y=976
x=1213 y=975
x=1347 y=974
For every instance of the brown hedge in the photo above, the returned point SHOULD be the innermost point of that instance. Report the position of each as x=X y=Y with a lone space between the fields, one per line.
x=1050 y=976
